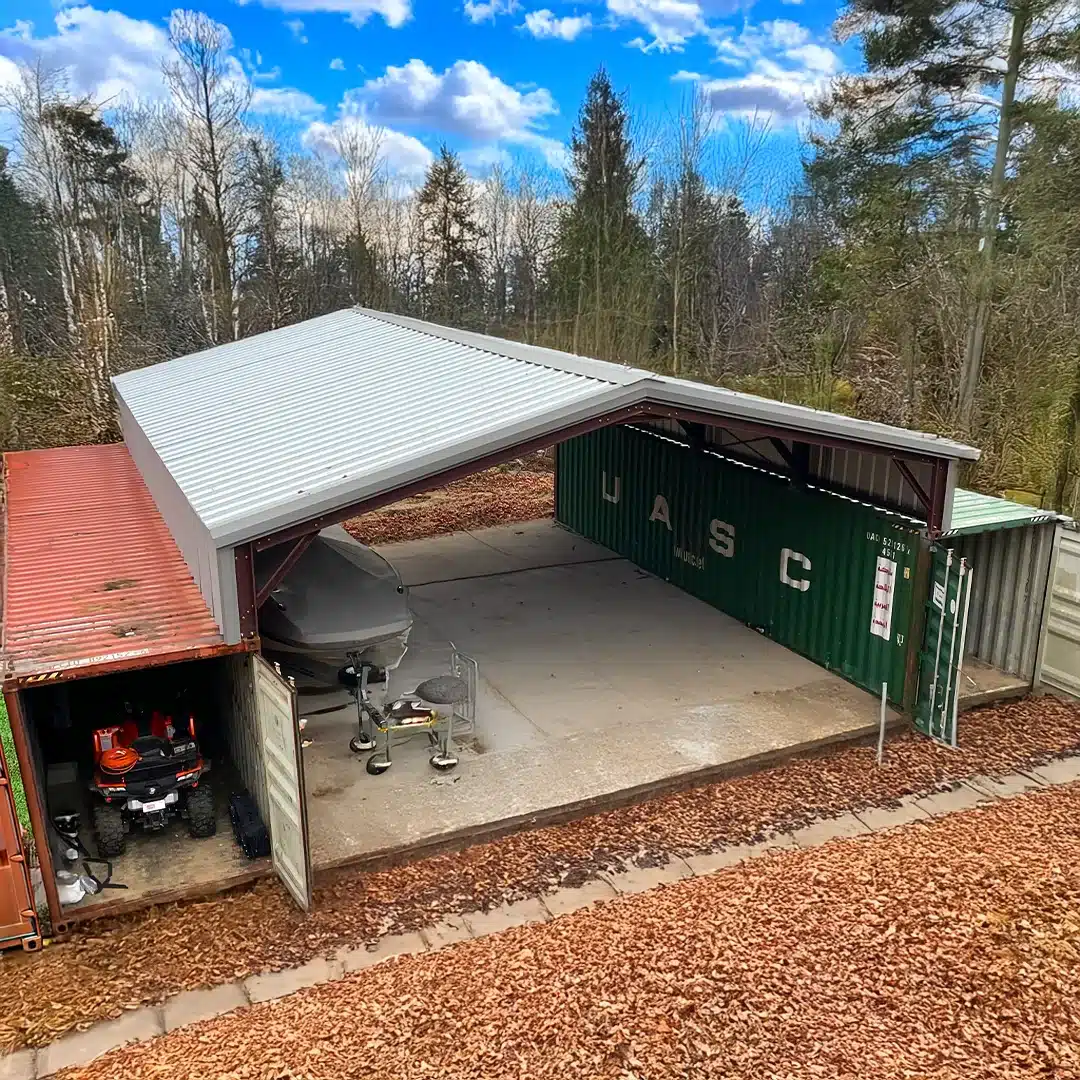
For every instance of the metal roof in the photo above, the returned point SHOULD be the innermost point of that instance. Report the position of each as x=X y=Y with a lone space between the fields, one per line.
x=277 y=429
x=92 y=577
x=973 y=512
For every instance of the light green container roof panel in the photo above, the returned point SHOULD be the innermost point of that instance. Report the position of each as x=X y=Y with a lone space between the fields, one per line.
x=973 y=512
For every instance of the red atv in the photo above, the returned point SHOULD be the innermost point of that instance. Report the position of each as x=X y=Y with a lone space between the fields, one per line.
x=146 y=771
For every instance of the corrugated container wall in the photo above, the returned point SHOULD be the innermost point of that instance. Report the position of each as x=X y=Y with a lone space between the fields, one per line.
x=828 y=577
x=1011 y=568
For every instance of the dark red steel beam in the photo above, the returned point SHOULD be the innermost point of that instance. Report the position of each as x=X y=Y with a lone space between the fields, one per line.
x=939 y=482
x=448 y=476
x=914 y=484
x=769 y=431
x=619 y=416
x=245 y=592
x=288 y=561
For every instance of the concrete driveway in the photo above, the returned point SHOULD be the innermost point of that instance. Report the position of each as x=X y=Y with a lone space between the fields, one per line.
x=597 y=680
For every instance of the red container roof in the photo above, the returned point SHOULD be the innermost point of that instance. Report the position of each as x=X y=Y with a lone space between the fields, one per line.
x=93 y=580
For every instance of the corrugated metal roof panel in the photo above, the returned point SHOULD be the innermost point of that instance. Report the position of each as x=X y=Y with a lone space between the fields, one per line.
x=259 y=432
x=92 y=577
x=274 y=430
x=974 y=512
x=730 y=404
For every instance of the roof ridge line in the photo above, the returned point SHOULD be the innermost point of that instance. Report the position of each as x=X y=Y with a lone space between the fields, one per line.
x=606 y=369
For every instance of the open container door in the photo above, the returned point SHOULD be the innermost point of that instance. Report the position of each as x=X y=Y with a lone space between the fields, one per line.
x=942 y=656
x=279 y=734
x=1059 y=657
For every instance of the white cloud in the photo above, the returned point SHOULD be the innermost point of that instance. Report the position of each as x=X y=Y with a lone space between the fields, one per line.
x=285 y=101
x=296 y=28
x=337 y=64
x=670 y=23
x=785 y=34
x=394 y=12
x=9 y=72
x=109 y=57
x=465 y=99
x=544 y=24
x=781 y=71
x=106 y=55
x=816 y=58
x=686 y=76
x=401 y=155
x=758 y=94
x=478 y=11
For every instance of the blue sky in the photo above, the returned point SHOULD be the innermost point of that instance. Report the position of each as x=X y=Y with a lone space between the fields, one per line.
x=493 y=78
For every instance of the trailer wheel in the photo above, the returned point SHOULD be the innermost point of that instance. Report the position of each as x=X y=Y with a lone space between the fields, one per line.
x=202 y=817
x=108 y=830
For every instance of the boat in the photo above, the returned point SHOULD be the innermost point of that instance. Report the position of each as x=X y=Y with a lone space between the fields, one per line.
x=340 y=603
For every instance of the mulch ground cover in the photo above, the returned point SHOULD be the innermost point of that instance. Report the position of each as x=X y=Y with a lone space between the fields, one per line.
x=948 y=950
x=122 y=963
x=506 y=495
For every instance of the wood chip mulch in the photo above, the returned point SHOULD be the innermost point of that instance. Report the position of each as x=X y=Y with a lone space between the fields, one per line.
x=126 y=962
x=949 y=950
x=519 y=491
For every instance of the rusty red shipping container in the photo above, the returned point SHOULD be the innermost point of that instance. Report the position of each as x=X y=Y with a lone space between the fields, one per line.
x=18 y=920
x=93 y=579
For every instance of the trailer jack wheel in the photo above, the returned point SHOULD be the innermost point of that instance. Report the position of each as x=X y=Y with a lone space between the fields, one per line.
x=376 y=765
x=360 y=744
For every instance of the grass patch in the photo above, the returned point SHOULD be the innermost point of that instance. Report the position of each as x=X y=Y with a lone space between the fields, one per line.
x=14 y=775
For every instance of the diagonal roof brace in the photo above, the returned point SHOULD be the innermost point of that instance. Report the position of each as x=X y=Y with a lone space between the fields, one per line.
x=913 y=483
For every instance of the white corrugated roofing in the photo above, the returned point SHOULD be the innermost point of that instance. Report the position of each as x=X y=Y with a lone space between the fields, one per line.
x=270 y=431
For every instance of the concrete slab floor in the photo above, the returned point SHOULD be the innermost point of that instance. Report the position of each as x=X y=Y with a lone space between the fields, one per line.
x=595 y=677
x=499 y=549
x=879 y=817
x=981 y=683
x=960 y=796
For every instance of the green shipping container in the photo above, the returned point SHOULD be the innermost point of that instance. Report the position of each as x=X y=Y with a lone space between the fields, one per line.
x=828 y=577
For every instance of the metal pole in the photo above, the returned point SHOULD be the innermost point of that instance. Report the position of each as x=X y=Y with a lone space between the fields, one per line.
x=881 y=729
x=947 y=707
x=940 y=628
x=960 y=661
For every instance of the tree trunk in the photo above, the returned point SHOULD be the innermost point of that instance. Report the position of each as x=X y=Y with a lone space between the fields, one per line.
x=983 y=282
x=1068 y=445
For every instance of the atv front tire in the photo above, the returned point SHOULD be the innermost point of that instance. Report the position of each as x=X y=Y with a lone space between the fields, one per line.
x=108 y=830
x=202 y=817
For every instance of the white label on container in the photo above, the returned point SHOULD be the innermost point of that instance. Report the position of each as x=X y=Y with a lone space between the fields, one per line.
x=884 y=588
x=939 y=595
